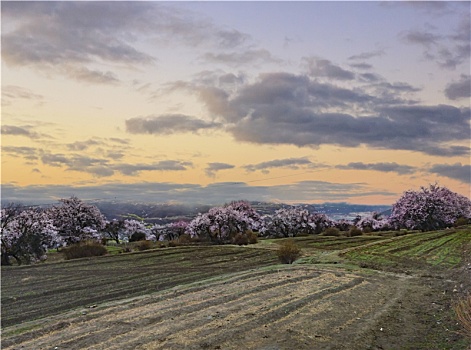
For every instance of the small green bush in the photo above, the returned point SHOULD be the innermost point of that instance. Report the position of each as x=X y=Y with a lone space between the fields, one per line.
x=137 y=236
x=461 y=222
x=240 y=239
x=288 y=252
x=252 y=237
x=354 y=231
x=144 y=245
x=332 y=231
x=84 y=250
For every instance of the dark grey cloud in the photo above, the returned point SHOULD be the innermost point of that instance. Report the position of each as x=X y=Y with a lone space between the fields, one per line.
x=291 y=163
x=80 y=34
x=319 y=67
x=213 y=194
x=455 y=171
x=384 y=167
x=285 y=108
x=459 y=89
x=167 y=124
x=214 y=167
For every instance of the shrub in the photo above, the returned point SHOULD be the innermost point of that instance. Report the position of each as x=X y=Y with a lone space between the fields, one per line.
x=126 y=249
x=83 y=250
x=354 y=231
x=288 y=252
x=137 y=236
x=461 y=222
x=252 y=237
x=144 y=245
x=332 y=231
x=241 y=239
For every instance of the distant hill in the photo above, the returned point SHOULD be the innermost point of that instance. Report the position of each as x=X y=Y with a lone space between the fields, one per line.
x=170 y=212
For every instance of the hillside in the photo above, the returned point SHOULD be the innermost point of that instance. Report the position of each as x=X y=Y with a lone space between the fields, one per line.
x=366 y=292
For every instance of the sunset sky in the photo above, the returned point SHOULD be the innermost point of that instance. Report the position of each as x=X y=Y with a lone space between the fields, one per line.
x=207 y=102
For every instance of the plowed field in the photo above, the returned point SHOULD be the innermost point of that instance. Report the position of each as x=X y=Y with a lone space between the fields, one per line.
x=228 y=298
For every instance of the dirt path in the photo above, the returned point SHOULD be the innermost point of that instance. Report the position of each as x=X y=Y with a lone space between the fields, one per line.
x=289 y=308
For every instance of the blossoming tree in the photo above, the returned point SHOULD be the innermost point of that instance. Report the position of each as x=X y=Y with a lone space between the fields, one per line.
x=221 y=224
x=429 y=209
x=76 y=220
x=26 y=235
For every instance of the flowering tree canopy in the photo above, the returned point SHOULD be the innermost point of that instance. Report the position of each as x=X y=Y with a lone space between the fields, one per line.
x=289 y=222
x=76 y=220
x=135 y=230
x=220 y=224
x=373 y=222
x=26 y=235
x=429 y=209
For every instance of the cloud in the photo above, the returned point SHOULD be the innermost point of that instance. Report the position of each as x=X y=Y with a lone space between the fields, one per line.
x=167 y=124
x=214 y=167
x=426 y=39
x=81 y=36
x=213 y=194
x=291 y=163
x=19 y=131
x=249 y=56
x=163 y=165
x=29 y=153
x=384 y=167
x=319 y=67
x=455 y=171
x=83 y=145
x=367 y=55
x=290 y=109
x=103 y=167
x=285 y=108
x=361 y=65
x=460 y=89
x=76 y=35
x=11 y=93
x=448 y=51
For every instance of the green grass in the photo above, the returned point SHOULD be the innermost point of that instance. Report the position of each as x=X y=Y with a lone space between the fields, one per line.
x=441 y=249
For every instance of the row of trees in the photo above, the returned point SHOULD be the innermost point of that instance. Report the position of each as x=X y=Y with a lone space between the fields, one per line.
x=27 y=234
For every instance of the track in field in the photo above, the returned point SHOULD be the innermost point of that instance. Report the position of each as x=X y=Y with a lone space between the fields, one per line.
x=288 y=308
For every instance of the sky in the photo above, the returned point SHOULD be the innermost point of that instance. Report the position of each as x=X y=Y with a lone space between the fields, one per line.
x=208 y=102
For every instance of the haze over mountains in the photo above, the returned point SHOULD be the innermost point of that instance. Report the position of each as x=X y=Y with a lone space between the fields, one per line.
x=163 y=213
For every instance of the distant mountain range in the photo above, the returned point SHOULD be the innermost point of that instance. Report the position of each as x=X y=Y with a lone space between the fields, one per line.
x=170 y=212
